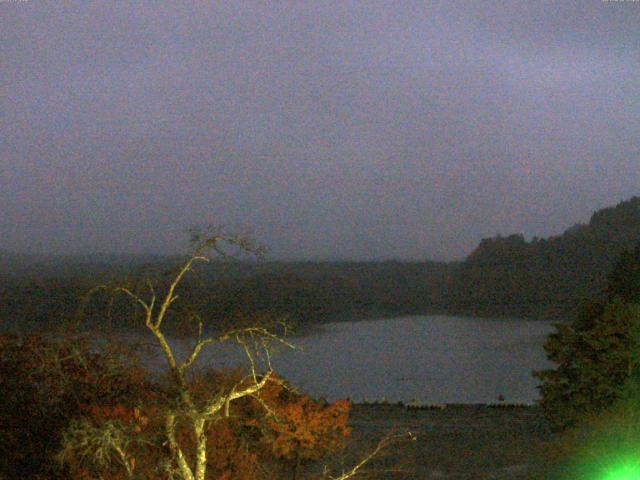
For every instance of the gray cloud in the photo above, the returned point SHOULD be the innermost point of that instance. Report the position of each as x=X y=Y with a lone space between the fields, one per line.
x=332 y=129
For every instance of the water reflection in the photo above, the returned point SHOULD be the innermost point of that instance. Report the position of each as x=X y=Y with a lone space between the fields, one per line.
x=428 y=359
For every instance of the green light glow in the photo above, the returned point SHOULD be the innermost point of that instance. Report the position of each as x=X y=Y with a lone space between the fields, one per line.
x=625 y=471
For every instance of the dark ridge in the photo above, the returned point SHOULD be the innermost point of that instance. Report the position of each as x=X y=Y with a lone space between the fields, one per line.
x=505 y=276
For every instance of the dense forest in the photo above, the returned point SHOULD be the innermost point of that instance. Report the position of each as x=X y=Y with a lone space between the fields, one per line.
x=503 y=276
x=544 y=277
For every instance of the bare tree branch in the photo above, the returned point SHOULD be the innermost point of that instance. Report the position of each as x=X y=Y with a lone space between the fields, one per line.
x=382 y=445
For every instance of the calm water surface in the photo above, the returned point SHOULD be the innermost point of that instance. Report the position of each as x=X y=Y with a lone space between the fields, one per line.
x=428 y=359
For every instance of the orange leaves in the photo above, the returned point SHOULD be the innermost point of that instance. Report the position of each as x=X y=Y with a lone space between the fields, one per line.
x=306 y=429
x=47 y=386
x=230 y=454
x=276 y=430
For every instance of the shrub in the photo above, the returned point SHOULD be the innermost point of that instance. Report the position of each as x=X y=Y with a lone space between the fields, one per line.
x=44 y=384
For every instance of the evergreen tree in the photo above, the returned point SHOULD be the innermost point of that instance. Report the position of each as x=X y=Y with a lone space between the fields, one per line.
x=597 y=353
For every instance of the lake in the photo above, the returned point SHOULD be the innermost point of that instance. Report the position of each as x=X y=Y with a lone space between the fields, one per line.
x=426 y=359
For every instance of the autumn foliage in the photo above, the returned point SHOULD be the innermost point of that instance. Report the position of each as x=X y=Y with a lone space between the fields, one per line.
x=82 y=408
x=67 y=411
x=43 y=385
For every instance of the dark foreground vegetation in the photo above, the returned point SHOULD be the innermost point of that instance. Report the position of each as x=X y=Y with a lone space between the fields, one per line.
x=591 y=400
x=69 y=412
x=503 y=276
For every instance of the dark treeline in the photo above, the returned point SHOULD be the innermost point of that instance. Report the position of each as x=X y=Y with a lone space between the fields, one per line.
x=545 y=278
x=503 y=276
x=303 y=292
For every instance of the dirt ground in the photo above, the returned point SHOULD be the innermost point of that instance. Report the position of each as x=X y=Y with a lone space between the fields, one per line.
x=461 y=442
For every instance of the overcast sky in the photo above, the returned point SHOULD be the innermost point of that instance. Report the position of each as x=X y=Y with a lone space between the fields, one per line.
x=360 y=130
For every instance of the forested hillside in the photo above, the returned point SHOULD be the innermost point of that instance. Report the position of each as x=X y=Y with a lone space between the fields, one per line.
x=503 y=276
x=544 y=277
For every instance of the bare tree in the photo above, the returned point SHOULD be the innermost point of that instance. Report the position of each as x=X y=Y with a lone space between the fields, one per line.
x=360 y=468
x=192 y=410
x=256 y=341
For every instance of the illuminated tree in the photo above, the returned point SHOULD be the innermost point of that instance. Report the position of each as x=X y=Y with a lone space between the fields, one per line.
x=204 y=423
x=189 y=412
